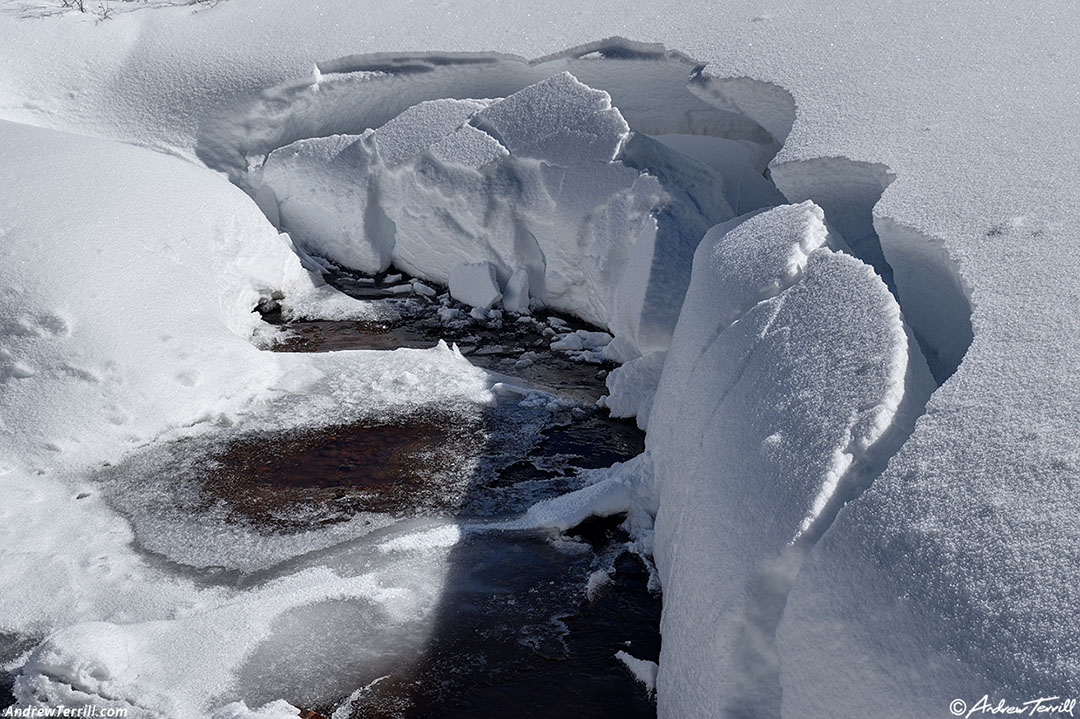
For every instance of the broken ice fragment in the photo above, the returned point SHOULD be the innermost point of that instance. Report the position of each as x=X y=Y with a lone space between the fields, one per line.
x=516 y=295
x=475 y=284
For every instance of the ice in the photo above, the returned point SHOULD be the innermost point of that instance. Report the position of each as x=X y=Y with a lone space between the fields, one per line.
x=582 y=340
x=788 y=364
x=475 y=284
x=516 y=293
x=643 y=670
x=274 y=710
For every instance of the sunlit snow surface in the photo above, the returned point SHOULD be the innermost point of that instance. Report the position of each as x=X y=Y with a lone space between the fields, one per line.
x=921 y=592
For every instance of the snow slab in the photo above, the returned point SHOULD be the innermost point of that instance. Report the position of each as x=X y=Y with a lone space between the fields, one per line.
x=516 y=293
x=475 y=284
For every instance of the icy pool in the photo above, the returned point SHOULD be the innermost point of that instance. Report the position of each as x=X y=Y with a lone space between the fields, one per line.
x=369 y=564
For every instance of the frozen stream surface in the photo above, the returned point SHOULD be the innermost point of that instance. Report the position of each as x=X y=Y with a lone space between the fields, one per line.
x=512 y=618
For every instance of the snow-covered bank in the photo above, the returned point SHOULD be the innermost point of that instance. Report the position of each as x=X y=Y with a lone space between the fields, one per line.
x=789 y=364
x=128 y=317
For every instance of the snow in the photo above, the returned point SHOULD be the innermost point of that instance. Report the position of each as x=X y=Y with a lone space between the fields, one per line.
x=632 y=387
x=643 y=670
x=516 y=293
x=581 y=340
x=475 y=284
x=134 y=318
x=920 y=584
x=789 y=363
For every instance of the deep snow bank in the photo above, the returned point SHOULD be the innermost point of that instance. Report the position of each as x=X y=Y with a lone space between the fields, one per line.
x=549 y=183
x=789 y=365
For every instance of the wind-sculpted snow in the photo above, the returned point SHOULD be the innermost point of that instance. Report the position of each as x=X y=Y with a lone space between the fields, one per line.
x=916 y=267
x=789 y=363
x=549 y=183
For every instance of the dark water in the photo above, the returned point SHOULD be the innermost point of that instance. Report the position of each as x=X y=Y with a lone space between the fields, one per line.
x=11 y=646
x=516 y=635
x=517 y=638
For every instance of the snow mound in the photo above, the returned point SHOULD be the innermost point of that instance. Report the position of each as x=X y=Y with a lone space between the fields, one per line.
x=789 y=362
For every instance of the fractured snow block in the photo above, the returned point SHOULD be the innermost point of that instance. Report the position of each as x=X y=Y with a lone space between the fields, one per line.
x=559 y=120
x=422 y=126
x=516 y=294
x=475 y=284
x=468 y=146
x=568 y=220
x=327 y=199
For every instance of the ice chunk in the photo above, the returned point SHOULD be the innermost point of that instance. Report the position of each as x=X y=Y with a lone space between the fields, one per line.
x=632 y=386
x=516 y=294
x=279 y=709
x=582 y=340
x=754 y=425
x=475 y=284
x=643 y=670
